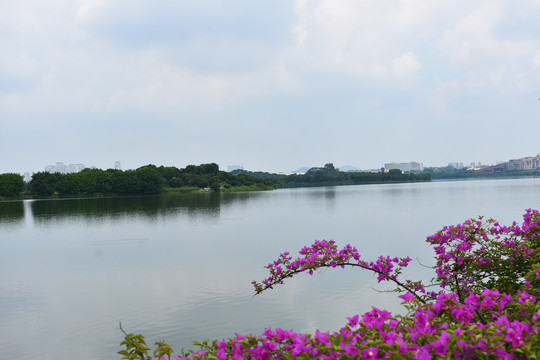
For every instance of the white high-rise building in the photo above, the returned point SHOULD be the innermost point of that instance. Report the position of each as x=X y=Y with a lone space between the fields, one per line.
x=75 y=168
x=410 y=166
x=117 y=165
x=61 y=168
x=27 y=176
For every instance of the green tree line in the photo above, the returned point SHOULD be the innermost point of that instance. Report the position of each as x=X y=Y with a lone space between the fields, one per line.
x=148 y=179
x=329 y=175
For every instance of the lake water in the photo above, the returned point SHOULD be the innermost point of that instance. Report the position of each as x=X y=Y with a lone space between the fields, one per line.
x=179 y=267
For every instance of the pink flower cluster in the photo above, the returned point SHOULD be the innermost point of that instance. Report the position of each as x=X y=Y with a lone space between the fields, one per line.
x=491 y=311
x=444 y=327
x=477 y=254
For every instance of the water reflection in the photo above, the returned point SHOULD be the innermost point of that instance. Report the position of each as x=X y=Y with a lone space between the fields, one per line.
x=11 y=214
x=206 y=207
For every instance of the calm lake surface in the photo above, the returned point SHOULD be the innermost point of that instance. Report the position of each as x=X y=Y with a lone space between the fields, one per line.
x=179 y=267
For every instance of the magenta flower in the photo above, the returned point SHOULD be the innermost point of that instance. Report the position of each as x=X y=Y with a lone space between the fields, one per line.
x=407 y=297
x=353 y=321
x=441 y=345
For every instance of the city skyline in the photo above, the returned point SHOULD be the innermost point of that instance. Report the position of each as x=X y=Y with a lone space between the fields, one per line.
x=227 y=167
x=273 y=86
x=409 y=165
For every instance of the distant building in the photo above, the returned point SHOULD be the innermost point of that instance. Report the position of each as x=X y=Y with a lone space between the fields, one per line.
x=60 y=167
x=75 y=168
x=526 y=163
x=117 y=166
x=231 y=168
x=494 y=169
x=27 y=176
x=410 y=166
x=456 y=165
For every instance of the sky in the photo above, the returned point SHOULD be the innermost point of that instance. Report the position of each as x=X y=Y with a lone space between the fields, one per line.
x=271 y=85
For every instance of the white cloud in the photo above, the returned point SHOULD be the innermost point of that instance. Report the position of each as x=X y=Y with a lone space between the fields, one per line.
x=361 y=38
x=297 y=63
x=406 y=64
x=536 y=58
x=73 y=67
x=300 y=30
x=473 y=37
x=88 y=8
x=411 y=13
x=494 y=59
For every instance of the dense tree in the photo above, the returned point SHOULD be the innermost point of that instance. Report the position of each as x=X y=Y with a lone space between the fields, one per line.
x=124 y=182
x=44 y=183
x=215 y=186
x=150 y=180
x=69 y=184
x=170 y=175
x=202 y=169
x=11 y=184
x=210 y=169
x=393 y=175
x=329 y=167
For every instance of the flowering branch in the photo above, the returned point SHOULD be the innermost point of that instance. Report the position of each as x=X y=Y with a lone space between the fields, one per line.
x=325 y=254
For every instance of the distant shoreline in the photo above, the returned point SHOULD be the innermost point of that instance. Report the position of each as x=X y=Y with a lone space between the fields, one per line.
x=196 y=190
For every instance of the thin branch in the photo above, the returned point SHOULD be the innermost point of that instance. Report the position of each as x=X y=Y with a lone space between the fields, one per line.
x=120 y=325
x=387 y=277
x=426 y=266
x=458 y=290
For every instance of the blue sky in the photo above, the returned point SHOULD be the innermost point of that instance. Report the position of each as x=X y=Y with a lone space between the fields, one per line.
x=270 y=85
